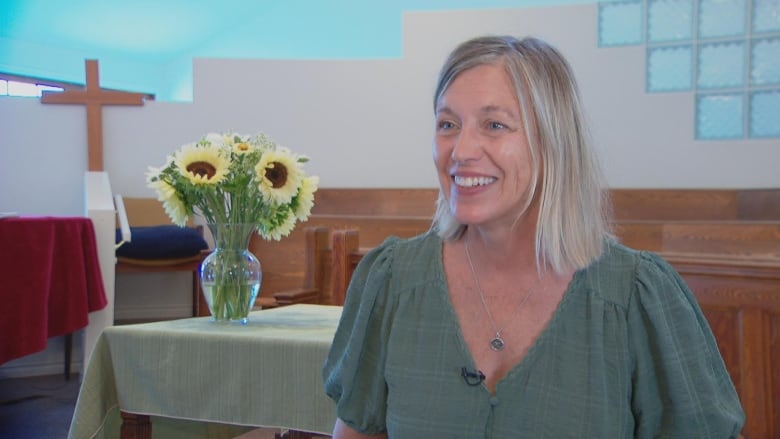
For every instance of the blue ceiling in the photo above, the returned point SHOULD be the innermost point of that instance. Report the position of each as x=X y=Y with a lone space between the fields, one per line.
x=148 y=45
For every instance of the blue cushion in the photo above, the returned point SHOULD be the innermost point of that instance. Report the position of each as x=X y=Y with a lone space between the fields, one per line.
x=161 y=242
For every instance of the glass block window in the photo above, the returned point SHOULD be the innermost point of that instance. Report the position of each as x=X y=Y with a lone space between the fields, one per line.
x=719 y=116
x=721 y=65
x=722 y=18
x=765 y=62
x=765 y=114
x=620 y=23
x=726 y=52
x=670 y=20
x=766 y=15
x=669 y=68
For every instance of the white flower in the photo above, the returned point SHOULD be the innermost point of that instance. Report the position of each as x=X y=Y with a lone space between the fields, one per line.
x=305 y=197
x=172 y=203
x=281 y=230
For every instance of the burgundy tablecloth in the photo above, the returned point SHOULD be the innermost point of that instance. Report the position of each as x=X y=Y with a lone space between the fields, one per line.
x=49 y=281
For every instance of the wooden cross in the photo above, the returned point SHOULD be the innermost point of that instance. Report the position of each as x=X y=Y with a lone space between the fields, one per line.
x=93 y=97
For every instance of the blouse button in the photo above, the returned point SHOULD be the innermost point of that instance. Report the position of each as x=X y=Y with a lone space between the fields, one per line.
x=494 y=401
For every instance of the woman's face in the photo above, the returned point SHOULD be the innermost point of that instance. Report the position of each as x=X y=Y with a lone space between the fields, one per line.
x=480 y=148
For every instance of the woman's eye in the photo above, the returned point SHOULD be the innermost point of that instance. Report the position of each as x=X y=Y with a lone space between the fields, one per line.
x=445 y=125
x=496 y=125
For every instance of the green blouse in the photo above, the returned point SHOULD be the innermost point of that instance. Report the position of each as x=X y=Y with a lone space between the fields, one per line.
x=627 y=354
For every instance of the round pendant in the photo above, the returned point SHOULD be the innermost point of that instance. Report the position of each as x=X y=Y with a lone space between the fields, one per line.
x=497 y=343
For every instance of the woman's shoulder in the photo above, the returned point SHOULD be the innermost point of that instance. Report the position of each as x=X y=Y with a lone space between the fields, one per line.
x=621 y=272
x=404 y=262
x=404 y=249
x=396 y=254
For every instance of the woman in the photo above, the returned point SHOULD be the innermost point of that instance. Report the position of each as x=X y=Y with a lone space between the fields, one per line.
x=518 y=315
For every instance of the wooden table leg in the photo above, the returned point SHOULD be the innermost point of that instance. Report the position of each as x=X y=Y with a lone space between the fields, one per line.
x=68 y=351
x=135 y=426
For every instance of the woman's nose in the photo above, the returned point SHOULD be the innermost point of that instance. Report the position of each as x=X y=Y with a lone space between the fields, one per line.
x=468 y=146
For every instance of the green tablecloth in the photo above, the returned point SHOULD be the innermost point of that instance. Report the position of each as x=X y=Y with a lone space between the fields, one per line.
x=266 y=373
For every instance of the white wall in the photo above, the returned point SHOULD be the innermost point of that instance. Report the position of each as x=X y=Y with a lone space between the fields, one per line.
x=366 y=123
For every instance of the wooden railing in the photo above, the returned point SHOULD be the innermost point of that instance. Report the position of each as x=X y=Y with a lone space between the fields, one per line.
x=628 y=204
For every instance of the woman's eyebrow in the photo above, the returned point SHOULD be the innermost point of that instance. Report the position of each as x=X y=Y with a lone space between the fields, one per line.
x=497 y=109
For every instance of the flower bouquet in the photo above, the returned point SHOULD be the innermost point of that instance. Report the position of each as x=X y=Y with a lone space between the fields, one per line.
x=239 y=185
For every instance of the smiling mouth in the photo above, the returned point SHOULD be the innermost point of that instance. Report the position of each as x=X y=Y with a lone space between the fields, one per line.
x=473 y=181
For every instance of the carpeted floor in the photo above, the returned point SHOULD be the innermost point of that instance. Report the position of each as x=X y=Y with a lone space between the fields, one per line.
x=37 y=407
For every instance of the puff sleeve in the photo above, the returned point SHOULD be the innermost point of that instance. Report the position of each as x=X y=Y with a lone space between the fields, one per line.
x=353 y=373
x=681 y=387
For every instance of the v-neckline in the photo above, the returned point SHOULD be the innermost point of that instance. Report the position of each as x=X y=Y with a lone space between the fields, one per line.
x=526 y=361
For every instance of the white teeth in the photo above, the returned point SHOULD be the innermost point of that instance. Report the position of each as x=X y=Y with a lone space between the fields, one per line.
x=473 y=181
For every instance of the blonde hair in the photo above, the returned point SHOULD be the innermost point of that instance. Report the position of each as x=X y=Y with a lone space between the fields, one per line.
x=574 y=212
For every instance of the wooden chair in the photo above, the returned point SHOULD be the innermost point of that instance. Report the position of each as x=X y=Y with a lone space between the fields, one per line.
x=294 y=268
x=355 y=235
x=146 y=212
x=345 y=256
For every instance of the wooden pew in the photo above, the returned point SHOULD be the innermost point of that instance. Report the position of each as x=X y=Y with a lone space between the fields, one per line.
x=628 y=203
x=346 y=254
x=373 y=231
x=297 y=269
x=746 y=241
x=376 y=201
x=737 y=287
x=696 y=204
x=741 y=239
x=294 y=268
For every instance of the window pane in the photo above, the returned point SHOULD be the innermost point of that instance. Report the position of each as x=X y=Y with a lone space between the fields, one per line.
x=721 y=65
x=22 y=89
x=670 y=20
x=765 y=65
x=719 y=116
x=766 y=15
x=722 y=18
x=764 y=108
x=620 y=23
x=669 y=68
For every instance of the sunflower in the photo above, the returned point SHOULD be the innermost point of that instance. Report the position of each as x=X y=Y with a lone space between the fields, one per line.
x=172 y=203
x=236 y=178
x=279 y=176
x=202 y=164
x=305 y=197
x=281 y=230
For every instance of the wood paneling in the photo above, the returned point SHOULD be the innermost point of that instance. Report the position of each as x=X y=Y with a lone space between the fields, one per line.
x=741 y=300
x=758 y=204
x=737 y=239
x=379 y=201
x=674 y=204
x=628 y=204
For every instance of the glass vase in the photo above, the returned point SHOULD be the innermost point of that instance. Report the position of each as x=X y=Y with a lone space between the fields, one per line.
x=230 y=276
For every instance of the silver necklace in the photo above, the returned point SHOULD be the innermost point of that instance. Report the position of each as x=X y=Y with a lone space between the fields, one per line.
x=497 y=343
